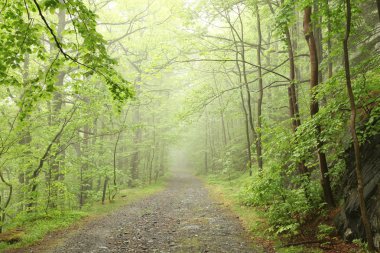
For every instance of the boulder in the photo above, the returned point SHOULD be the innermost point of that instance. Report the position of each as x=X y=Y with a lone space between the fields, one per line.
x=348 y=221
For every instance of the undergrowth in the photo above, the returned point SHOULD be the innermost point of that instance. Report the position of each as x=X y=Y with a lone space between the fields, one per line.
x=33 y=227
x=232 y=190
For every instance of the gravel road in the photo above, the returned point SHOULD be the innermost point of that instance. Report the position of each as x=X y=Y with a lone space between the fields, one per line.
x=182 y=218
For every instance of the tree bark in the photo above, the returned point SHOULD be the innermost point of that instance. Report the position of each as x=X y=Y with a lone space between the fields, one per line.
x=244 y=78
x=292 y=92
x=293 y=104
x=249 y=153
x=153 y=151
x=6 y=204
x=314 y=107
x=222 y=120
x=33 y=178
x=115 y=163
x=24 y=177
x=84 y=180
x=55 y=162
x=206 y=144
x=329 y=43
x=135 y=160
x=261 y=92
x=318 y=40
x=105 y=189
x=358 y=169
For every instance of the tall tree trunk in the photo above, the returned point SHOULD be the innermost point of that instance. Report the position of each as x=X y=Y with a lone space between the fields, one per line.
x=105 y=184
x=243 y=74
x=220 y=100
x=293 y=102
x=85 y=180
x=206 y=144
x=224 y=132
x=115 y=164
x=135 y=160
x=317 y=31
x=358 y=169
x=6 y=204
x=314 y=107
x=33 y=184
x=247 y=136
x=249 y=103
x=153 y=151
x=26 y=139
x=261 y=92
x=292 y=92
x=246 y=120
x=329 y=43
x=55 y=163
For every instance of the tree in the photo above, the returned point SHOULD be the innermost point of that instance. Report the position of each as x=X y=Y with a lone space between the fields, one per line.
x=314 y=107
x=355 y=140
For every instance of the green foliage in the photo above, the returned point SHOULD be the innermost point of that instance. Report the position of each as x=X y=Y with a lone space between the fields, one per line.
x=324 y=231
x=285 y=17
x=286 y=207
x=64 y=145
x=363 y=245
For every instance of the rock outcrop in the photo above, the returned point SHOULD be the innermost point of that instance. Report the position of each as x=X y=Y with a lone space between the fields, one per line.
x=348 y=221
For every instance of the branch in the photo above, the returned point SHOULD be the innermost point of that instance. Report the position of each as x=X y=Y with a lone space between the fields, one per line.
x=251 y=64
x=36 y=172
x=303 y=242
x=3 y=8
x=10 y=191
x=59 y=45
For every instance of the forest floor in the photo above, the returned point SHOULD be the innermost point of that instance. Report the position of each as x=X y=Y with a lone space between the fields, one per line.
x=182 y=218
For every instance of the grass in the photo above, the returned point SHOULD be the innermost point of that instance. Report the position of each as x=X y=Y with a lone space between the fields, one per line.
x=226 y=190
x=32 y=228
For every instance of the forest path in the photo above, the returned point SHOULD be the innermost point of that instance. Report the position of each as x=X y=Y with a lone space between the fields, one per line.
x=182 y=218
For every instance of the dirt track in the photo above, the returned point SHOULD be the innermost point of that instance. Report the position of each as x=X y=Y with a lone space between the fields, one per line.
x=183 y=218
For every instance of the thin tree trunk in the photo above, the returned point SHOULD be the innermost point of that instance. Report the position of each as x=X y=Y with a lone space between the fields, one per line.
x=358 y=168
x=261 y=92
x=314 y=107
x=329 y=43
x=33 y=179
x=115 y=164
x=153 y=151
x=243 y=74
x=318 y=40
x=206 y=144
x=249 y=103
x=220 y=100
x=85 y=184
x=55 y=162
x=105 y=189
x=249 y=153
x=293 y=104
x=135 y=160
x=24 y=177
x=292 y=93
x=5 y=206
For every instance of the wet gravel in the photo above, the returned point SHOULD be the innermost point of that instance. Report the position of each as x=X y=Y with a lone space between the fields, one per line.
x=182 y=218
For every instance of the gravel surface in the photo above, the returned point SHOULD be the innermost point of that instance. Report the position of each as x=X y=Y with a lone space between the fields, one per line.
x=182 y=218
